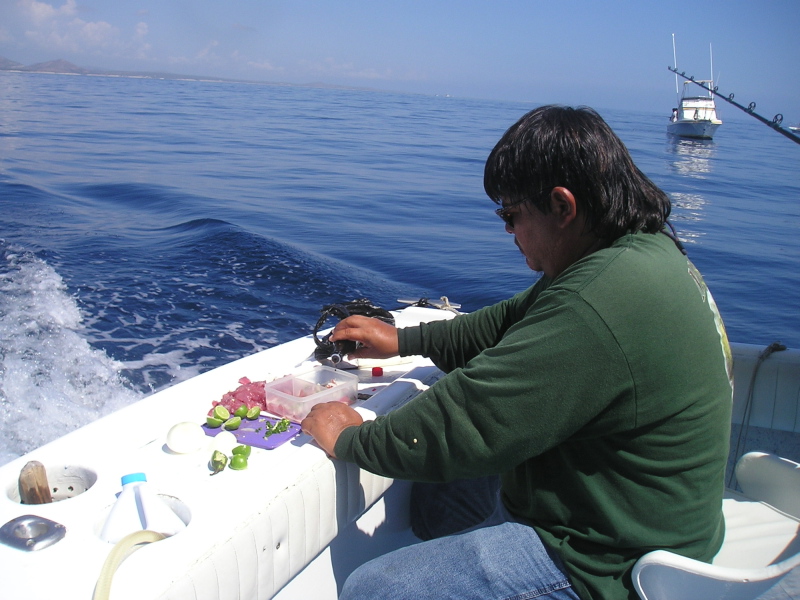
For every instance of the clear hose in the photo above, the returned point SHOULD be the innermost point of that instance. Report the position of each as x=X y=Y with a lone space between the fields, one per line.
x=120 y=552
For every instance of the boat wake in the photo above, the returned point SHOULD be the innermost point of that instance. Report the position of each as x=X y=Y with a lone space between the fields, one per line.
x=52 y=380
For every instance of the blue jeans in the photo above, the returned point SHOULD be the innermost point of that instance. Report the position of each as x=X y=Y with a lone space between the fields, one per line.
x=500 y=558
x=440 y=509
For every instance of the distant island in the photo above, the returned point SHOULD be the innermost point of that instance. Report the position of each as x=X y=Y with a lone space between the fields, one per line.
x=63 y=67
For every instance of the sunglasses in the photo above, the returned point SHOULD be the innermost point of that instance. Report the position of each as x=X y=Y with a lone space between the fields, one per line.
x=504 y=212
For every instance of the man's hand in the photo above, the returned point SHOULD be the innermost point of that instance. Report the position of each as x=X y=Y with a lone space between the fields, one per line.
x=327 y=420
x=377 y=338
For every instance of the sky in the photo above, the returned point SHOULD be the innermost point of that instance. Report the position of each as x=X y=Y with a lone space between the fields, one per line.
x=601 y=53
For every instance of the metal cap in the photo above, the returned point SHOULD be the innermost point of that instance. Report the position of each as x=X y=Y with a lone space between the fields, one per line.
x=30 y=532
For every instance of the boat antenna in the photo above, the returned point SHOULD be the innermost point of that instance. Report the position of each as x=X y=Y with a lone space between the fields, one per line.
x=750 y=109
x=711 y=55
x=675 y=62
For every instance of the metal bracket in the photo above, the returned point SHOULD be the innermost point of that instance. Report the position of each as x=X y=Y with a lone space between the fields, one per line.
x=30 y=532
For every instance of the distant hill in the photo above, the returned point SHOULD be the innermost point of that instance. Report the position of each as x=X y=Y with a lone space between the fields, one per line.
x=6 y=64
x=55 y=66
x=65 y=67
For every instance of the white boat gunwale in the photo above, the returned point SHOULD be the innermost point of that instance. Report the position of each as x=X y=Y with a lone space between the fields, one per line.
x=268 y=521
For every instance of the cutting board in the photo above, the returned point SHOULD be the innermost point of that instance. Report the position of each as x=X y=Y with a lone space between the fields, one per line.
x=251 y=433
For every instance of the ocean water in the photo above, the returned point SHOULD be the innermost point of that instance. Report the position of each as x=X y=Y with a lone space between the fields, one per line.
x=152 y=230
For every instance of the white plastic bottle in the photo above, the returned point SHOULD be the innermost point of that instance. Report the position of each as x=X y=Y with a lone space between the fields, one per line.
x=158 y=516
x=137 y=508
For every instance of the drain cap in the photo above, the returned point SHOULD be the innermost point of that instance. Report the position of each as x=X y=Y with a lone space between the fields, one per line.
x=30 y=532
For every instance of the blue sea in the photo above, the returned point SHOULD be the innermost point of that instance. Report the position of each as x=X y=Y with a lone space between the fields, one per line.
x=151 y=230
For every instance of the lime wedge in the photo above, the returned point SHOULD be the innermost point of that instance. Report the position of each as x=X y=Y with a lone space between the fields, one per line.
x=232 y=423
x=220 y=412
x=241 y=411
x=213 y=422
x=253 y=413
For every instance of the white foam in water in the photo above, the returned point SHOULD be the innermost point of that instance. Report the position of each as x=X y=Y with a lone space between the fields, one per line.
x=52 y=380
x=172 y=362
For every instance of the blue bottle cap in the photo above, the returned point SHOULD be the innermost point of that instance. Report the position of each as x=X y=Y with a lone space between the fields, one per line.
x=133 y=477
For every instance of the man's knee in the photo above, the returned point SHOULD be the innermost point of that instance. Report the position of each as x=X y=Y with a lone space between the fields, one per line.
x=379 y=578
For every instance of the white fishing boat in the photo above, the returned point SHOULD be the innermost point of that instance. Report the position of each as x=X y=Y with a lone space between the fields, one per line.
x=295 y=523
x=696 y=115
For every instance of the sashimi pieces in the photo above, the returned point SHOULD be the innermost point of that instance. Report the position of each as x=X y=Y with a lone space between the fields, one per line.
x=249 y=393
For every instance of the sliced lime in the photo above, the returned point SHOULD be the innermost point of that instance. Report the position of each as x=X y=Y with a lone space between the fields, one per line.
x=213 y=422
x=220 y=412
x=232 y=423
x=253 y=413
x=241 y=411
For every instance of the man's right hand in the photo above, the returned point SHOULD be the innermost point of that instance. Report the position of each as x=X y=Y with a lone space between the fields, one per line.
x=377 y=338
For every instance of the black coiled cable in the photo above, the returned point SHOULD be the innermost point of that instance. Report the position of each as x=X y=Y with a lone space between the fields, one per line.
x=336 y=351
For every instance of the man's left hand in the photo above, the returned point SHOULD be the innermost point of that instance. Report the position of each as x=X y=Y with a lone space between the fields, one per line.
x=327 y=420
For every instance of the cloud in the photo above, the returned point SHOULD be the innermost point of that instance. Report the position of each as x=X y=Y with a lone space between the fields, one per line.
x=208 y=51
x=76 y=35
x=58 y=28
x=42 y=11
x=263 y=65
x=244 y=28
x=329 y=67
x=97 y=33
x=204 y=56
x=142 y=47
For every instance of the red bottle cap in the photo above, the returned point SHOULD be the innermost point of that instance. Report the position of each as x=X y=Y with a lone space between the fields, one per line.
x=377 y=371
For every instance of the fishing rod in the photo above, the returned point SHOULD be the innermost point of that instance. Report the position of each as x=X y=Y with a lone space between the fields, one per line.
x=749 y=109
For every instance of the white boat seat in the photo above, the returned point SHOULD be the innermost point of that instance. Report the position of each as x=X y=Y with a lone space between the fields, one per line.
x=761 y=546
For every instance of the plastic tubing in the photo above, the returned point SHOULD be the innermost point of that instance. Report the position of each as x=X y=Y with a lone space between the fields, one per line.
x=118 y=553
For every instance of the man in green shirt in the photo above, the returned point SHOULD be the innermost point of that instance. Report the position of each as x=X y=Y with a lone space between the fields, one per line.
x=601 y=395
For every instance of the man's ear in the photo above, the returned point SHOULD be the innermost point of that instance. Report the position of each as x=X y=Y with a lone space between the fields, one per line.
x=563 y=206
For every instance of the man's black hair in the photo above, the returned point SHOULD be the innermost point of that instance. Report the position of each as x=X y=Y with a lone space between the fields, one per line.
x=575 y=148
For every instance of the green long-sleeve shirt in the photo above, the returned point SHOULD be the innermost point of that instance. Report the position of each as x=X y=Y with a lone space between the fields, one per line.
x=603 y=397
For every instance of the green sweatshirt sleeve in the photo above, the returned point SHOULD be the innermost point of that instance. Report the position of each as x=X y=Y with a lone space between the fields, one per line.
x=467 y=424
x=451 y=344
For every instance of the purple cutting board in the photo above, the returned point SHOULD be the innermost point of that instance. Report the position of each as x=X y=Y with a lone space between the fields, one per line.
x=247 y=434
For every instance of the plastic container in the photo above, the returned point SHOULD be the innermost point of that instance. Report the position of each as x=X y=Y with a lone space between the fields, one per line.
x=138 y=507
x=293 y=396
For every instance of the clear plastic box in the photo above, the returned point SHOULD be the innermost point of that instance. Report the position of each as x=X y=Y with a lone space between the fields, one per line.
x=294 y=395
